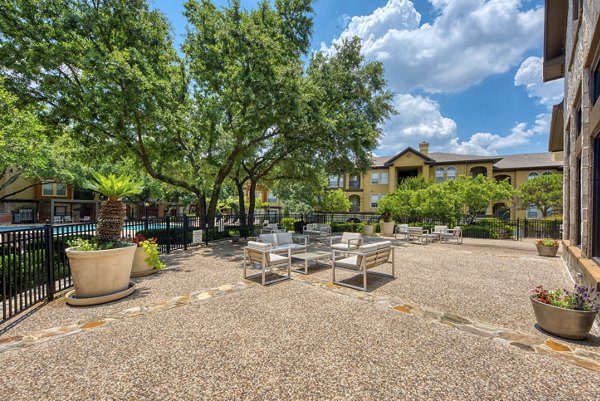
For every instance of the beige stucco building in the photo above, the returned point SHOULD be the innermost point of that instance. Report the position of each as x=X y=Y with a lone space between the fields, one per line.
x=572 y=51
x=364 y=191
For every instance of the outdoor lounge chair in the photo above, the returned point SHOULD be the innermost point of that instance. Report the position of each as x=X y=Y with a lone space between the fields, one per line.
x=347 y=242
x=85 y=219
x=438 y=230
x=67 y=219
x=263 y=255
x=57 y=220
x=401 y=231
x=317 y=229
x=360 y=261
x=282 y=242
x=271 y=228
x=418 y=234
x=454 y=234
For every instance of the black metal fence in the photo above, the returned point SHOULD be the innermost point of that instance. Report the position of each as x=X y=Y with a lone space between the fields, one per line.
x=34 y=265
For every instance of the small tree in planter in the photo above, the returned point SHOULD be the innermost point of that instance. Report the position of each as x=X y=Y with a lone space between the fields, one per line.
x=568 y=314
x=101 y=269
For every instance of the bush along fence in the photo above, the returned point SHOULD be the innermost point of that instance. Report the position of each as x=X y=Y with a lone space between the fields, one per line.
x=34 y=266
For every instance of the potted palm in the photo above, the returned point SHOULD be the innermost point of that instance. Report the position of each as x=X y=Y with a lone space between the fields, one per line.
x=146 y=260
x=568 y=314
x=547 y=247
x=101 y=268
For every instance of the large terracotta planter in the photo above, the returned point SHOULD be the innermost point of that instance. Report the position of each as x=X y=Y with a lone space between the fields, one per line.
x=387 y=229
x=567 y=323
x=368 y=230
x=548 y=251
x=100 y=273
x=140 y=266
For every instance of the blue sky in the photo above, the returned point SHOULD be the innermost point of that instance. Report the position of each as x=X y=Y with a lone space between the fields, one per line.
x=466 y=73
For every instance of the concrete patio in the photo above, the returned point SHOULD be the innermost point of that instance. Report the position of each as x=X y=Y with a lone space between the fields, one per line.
x=454 y=324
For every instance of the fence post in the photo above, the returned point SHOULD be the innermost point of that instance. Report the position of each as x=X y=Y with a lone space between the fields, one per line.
x=49 y=240
x=168 y=221
x=186 y=227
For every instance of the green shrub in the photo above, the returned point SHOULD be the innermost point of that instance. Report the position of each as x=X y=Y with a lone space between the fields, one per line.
x=347 y=227
x=288 y=223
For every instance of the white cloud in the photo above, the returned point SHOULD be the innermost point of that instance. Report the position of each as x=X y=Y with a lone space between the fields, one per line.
x=468 y=41
x=485 y=143
x=530 y=76
x=420 y=119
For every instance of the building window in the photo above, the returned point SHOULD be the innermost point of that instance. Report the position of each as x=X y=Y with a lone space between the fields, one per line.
x=384 y=178
x=48 y=189
x=439 y=174
x=547 y=173
x=533 y=174
x=595 y=92
x=577 y=6
x=354 y=182
x=451 y=173
x=355 y=203
x=336 y=181
x=596 y=200
x=532 y=212
x=475 y=171
x=374 y=200
x=578 y=225
x=375 y=178
x=271 y=198
x=379 y=178
x=61 y=190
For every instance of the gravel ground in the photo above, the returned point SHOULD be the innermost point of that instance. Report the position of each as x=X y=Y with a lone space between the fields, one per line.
x=485 y=280
x=286 y=341
x=197 y=269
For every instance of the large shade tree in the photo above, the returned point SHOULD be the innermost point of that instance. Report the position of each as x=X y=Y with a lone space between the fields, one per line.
x=544 y=192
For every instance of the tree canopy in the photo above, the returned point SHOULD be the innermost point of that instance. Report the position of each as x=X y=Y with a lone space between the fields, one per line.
x=544 y=192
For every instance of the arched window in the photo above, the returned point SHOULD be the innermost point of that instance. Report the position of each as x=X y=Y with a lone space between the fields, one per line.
x=439 y=174
x=355 y=203
x=533 y=174
x=475 y=171
x=451 y=173
x=547 y=173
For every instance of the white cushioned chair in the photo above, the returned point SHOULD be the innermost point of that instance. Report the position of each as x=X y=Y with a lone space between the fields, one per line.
x=347 y=242
x=283 y=241
x=262 y=254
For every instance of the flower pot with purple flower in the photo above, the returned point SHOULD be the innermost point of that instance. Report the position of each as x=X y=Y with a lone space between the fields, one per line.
x=568 y=314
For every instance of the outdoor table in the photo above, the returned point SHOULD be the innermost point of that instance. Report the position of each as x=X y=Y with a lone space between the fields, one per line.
x=307 y=256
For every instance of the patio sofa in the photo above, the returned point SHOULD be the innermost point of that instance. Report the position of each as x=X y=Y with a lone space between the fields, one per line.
x=360 y=261
x=317 y=229
x=282 y=242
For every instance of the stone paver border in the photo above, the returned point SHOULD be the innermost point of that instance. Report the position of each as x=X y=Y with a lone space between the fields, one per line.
x=525 y=342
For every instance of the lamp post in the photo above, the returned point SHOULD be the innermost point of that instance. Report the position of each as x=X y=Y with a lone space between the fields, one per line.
x=146 y=204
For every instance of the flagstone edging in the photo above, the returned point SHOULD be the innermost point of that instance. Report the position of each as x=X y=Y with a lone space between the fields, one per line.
x=526 y=342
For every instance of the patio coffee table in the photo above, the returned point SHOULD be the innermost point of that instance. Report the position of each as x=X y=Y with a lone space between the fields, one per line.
x=306 y=256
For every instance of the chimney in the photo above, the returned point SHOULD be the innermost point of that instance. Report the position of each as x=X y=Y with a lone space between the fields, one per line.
x=424 y=147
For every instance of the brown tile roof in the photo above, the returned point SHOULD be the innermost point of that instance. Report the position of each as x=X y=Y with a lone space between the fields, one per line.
x=527 y=160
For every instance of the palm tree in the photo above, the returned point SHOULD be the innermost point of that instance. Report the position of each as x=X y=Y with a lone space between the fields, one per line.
x=112 y=211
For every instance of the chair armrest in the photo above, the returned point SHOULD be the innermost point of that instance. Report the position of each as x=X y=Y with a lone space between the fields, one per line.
x=302 y=239
x=357 y=240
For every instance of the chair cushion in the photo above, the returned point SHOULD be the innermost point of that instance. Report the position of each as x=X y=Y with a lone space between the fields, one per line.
x=348 y=236
x=369 y=248
x=349 y=262
x=269 y=238
x=342 y=247
x=273 y=258
x=284 y=238
x=384 y=244
x=285 y=247
x=259 y=245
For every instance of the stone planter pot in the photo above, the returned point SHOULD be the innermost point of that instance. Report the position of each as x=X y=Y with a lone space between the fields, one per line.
x=387 y=229
x=567 y=323
x=368 y=230
x=140 y=266
x=235 y=238
x=97 y=274
x=549 y=251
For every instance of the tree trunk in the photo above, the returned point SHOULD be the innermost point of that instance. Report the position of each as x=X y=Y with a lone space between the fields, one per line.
x=251 y=203
x=242 y=201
